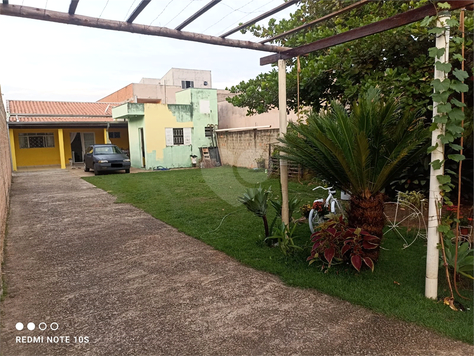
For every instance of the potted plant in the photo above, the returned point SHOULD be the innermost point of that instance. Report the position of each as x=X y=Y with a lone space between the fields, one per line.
x=464 y=225
x=320 y=208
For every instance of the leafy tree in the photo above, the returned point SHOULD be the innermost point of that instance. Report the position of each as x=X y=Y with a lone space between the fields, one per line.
x=396 y=61
x=360 y=151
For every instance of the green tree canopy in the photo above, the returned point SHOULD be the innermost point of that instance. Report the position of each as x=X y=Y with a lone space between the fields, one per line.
x=396 y=61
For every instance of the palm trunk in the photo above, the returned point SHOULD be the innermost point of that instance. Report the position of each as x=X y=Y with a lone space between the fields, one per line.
x=367 y=213
x=265 y=223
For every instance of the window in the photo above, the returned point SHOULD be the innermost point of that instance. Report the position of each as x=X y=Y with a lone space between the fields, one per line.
x=106 y=150
x=178 y=136
x=187 y=84
x=114 y=134
x=208 y=131
x=36 y=140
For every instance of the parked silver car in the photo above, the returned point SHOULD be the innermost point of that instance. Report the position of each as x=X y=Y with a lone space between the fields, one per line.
x=105 y=158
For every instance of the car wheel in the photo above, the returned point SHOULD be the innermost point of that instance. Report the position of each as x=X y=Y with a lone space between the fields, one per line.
x=127 y=171
x=96 y=172
x=86 y=169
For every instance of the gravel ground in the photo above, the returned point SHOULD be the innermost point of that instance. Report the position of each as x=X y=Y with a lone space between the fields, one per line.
x=108 y=279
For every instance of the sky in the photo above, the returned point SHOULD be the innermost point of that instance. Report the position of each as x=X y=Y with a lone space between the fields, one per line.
x=51 y=61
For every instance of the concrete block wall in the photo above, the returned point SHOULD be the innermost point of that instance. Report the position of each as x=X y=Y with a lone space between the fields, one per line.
x=5 y=182
x=244 y=148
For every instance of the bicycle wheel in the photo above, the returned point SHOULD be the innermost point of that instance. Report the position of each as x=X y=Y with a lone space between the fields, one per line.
x=405 y=221
x=314 y=220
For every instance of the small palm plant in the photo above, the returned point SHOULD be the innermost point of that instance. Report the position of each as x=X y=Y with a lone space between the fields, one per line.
x=359 y=151
x=256 y=201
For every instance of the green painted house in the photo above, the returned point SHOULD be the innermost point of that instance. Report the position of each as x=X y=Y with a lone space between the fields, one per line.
x=168 y=135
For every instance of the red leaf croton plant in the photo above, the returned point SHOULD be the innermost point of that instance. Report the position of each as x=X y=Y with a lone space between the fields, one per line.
x=335 y=242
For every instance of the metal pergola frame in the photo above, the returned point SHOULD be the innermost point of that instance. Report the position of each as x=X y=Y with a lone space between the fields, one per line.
x=360 y=32
x=141 y=6
x=70 y=17
x=281 y=54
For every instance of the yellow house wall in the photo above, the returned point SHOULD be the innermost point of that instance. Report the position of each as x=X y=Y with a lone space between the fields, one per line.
x=121 y=142
x=49 y=156
x=157 y=118
x=36 y=156
x=11 y=135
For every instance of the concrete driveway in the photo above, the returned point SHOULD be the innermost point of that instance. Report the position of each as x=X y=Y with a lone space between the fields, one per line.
x=98 y=278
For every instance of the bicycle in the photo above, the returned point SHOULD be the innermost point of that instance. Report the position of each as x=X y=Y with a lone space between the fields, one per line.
x=405 y=220
x=315 y=218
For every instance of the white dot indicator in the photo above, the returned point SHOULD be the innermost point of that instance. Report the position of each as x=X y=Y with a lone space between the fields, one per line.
x=31 y=326
x=19 y=326
x=42 y=326
x=54 y=326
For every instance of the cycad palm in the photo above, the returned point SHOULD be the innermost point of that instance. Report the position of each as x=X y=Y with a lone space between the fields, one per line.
x=360 y=151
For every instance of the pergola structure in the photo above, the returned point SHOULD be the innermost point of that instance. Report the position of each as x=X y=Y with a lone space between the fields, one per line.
x=280 y=54
x=70 y=17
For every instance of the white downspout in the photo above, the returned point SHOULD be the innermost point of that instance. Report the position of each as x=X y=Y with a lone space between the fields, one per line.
x=283 y=123
x=432 y=252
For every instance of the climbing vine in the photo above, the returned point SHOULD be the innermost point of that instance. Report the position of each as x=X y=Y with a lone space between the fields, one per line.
x=449 y=117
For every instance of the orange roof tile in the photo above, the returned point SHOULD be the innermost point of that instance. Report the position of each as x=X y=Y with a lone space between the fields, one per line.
x=13 y=118
x=61 y=111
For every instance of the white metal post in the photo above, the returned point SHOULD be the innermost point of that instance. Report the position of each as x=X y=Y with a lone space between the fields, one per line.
x=283 y=123
x=432 y=257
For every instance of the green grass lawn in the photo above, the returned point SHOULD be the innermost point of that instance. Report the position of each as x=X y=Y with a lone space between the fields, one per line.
x=203 y=204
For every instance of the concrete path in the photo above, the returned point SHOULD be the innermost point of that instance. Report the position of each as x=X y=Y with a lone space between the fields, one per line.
x=111 y=280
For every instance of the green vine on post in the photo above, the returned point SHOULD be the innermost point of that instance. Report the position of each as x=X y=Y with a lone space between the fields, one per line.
x=449 y=117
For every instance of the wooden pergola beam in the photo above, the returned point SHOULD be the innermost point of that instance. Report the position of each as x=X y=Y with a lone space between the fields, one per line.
x=72 y=7
x=80 y=20
x=197 y=14
x=321 y=19
x=137 y=10
x=364 y=31
x=260 y=17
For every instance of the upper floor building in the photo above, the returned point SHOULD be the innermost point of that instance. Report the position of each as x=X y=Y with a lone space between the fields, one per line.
x=162 y=91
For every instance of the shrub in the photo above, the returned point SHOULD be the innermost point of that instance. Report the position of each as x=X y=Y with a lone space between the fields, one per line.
x=284 y=238
x=465 y=262
x=336 y=242
x=413 y=197
x=360 y=243
x=305 y=209
x=328 y=241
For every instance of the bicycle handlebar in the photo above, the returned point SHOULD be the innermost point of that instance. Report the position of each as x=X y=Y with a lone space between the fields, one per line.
x=318 y=187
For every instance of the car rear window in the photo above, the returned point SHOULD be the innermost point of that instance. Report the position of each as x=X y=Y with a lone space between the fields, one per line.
x=106 y=150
